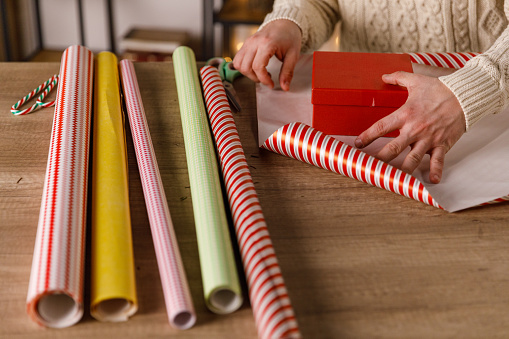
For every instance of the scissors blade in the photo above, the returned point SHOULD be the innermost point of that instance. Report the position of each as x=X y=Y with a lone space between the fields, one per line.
x=232 y=95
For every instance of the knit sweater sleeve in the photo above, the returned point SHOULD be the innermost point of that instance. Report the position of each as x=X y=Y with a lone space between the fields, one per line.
x=482 y=85
x=315 y=18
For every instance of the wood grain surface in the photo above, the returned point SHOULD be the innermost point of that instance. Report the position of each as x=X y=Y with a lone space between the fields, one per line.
x=358 y=261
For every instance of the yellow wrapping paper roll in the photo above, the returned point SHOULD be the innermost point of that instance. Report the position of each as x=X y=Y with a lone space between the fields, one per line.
x=113 y=288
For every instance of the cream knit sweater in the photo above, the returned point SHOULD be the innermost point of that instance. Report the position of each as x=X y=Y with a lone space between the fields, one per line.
x=481 y=86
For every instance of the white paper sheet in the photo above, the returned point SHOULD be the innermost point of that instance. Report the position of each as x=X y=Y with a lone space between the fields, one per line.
x=476 y=168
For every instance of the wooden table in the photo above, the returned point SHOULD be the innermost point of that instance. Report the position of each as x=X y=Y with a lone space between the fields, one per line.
x=358 y=261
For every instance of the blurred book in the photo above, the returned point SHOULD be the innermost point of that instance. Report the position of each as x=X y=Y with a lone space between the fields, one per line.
x=146 y=56
x=153 y=41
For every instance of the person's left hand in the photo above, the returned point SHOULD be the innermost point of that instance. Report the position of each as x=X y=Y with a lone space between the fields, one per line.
x=431 y=121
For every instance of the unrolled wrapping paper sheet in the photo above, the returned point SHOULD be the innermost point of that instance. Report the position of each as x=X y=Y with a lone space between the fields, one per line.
x=113 y=287
x=273 y=312
x=220 y=279
x=475 y=169
x=55 y=292
x=179 y=305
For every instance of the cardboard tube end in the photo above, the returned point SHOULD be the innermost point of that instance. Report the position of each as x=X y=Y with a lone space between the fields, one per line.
x=224 y=300
x=114 y=310
x=183 y=320
x=58 y=310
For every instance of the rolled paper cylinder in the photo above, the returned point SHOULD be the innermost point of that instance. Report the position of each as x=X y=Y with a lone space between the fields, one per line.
x=220 y=279
x=179 y=305
x=271 y=305
x=113 y=286
x=55 y=293
x=304 y=143
x=448 y=60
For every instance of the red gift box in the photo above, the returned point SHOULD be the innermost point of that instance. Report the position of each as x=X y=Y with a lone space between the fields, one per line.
x=348 y=94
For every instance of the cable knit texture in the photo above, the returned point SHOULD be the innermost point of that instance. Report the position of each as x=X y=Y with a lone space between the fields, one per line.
x=482 y=86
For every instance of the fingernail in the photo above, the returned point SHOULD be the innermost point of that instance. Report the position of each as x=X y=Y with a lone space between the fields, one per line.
x=436 y=178
x=287 y=85
x=358 y=143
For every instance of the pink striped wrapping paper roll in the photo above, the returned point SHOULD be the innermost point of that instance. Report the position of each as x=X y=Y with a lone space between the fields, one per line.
x=55 y=293
x=272 y=310
x=179 y=304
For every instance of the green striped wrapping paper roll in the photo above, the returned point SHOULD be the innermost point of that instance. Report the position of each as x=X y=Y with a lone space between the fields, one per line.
x=221 y=285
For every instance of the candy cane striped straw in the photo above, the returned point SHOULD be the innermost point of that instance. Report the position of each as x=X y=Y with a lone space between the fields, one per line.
x=273 y=312
x=179 y=305
x=55 y=293
x=48 y=85
x=304 y=143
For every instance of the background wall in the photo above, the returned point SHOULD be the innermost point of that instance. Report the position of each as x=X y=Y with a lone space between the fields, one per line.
x=60 y=25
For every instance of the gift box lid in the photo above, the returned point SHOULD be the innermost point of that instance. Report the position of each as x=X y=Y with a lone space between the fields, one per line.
x=355 y=79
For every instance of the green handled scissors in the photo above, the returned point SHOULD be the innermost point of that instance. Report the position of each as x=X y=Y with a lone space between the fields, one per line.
x=227 y=74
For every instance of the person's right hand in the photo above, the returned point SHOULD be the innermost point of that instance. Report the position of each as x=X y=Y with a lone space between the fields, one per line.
x=281 y=38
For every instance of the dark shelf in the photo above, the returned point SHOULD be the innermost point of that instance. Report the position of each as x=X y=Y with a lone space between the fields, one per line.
x=233 y=12
x=240 y=12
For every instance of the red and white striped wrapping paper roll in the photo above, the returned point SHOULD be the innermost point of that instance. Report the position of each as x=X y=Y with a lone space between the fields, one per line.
x=179 y=304
x=272 y=310
x=55 y=293
x=304 y=143
x=448 y=60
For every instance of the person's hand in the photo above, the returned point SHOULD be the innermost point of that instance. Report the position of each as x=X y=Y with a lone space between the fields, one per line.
x=431 y=121
x=281 y=38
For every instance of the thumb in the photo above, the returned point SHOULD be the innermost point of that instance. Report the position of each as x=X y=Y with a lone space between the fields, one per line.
x=398 y=78
x=286 y=73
